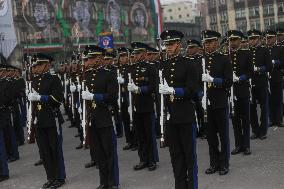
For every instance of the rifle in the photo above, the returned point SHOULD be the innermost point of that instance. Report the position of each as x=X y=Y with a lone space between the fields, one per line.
x=29 y=123
x=204 y=99
x=162 y=140
x=119 y=92
x=130 y=110
x=232 y=88
x=84 y=116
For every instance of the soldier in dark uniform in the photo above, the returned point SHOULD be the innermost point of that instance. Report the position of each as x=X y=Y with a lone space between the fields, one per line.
x=109 y=62
x=75 y=89
x=179 y=89
x=219 y=79
x=5 y=100
x=47 y=96
x=262 y=65
x=153 y=58
x=124 y=66
x=143 y=89
x=276 y=79
x=102 y=90
x=242 y=71
x=280 y=42
x=10 y=134
x=195 y=57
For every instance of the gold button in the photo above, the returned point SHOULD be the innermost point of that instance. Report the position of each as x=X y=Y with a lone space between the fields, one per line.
x=172 y=70
x=172 y=75
x=172 y=82
x=92 y=84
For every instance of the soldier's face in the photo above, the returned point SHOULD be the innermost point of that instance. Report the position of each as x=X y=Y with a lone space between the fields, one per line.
x=93 y=62
x=123 y=59
x=41 y=68
x=155 y=56
x=271 y=40
x=139 y=56
x=108 y=61
x=211 y=45
x=173 y=48
x=280 y=37
x=235 y=43
x=192 y=51
x=254 y=41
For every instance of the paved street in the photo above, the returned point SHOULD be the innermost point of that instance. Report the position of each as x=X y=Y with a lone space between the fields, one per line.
x=264 y=169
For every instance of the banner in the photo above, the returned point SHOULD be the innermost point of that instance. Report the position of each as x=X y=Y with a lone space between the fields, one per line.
x=106 y=40
x=8 y=39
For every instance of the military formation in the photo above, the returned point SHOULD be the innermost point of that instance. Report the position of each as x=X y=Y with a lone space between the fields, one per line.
x=166 y=95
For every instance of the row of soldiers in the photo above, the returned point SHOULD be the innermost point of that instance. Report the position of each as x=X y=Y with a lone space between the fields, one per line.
x=150 y=93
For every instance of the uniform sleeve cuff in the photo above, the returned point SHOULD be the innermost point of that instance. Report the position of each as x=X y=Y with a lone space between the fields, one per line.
x=179 y=92
x=144 y=89
x=217 y=81
x=262 y=68
x=99 y=97
x=44 y=98
x=200 y=94
x=243 y=77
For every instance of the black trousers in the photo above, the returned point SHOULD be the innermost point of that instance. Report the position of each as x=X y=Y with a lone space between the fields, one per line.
x=106 y=151
x=276 y=105
x=241 y=122
x=259 y=96
x=146 y=135
x=91 y=142
x=182 y=146
x=19 y=131
x=77 y=123
x=4 y=171
x=200 y=117
x=50 y=146
x=11 y=141
x=129 y=134
x=218 y=132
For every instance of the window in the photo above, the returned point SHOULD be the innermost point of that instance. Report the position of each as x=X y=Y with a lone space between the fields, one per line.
x=241 y=25
x=224 y=16
x=170 y=10
x=224 y=28
x=171 y=17
x=281 y=19
x=179 y=16
x=212 y=3
x=280 y=8
x=165 y=18
x=240 y=13
x=214 y=27
x=268 y=23
x=268 y=10
x=255 y=24
x=187 y=15
x=222 y=2
x=253 y=11
x=179 y=9
x=213 y=19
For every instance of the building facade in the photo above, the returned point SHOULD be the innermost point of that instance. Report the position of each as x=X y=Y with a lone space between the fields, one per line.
x=222 y=15
x=190 y=30
x=180 y=12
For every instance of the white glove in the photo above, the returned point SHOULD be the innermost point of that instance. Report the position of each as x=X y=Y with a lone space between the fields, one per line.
x=120 y=80
x=165 y=89
x=80 y=110
x=34 y=96
x=27 y=91
x=235 y=78
x=79 y=88
x=86 y=95
x=66 y=82
x=72 y=88
x=203 y=101
x=207 y=78
x=132 y=87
